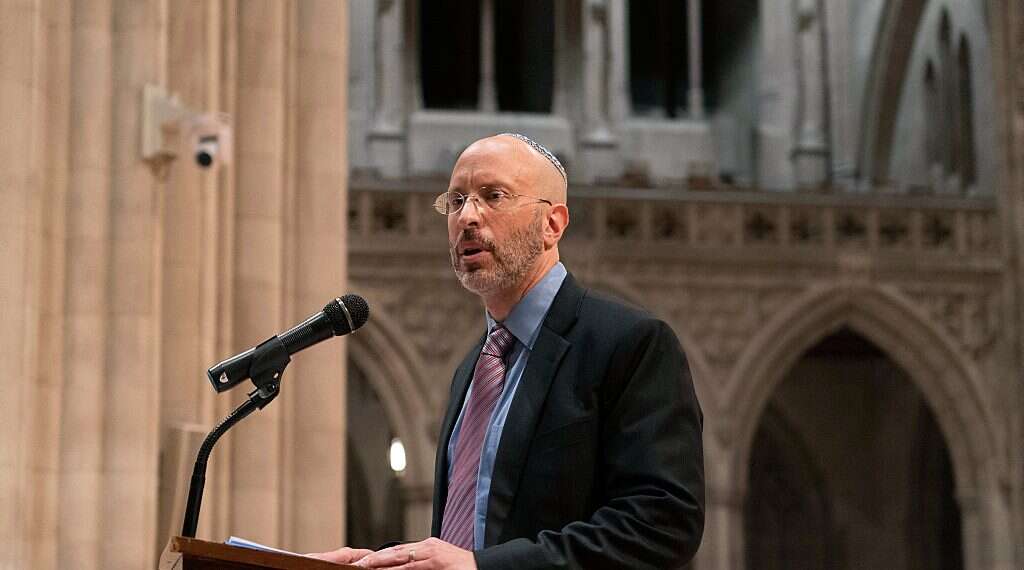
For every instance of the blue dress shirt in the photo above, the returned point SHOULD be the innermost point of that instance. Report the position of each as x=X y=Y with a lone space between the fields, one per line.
x=524 y=323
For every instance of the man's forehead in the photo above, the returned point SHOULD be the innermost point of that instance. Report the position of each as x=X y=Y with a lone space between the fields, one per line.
x=492 y=149
x=488 y=161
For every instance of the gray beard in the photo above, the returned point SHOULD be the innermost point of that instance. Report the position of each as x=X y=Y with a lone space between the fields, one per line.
x=512 y=261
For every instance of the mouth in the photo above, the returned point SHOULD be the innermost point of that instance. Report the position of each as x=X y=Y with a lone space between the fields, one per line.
x=471 y=252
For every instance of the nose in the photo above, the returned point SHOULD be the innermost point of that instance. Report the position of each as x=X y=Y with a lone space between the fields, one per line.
x=466 y=216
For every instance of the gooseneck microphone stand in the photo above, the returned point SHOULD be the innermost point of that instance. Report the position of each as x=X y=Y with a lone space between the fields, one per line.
x=268 y=363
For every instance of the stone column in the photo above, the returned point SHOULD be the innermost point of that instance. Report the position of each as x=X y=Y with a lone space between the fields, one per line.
x=488 y=89
x=52 y=115
x=599 y=154
x=191 y=269
x=313 y=395
x=986 y=523
x=185 y=205
x=696 y=59
x=224 y=29
x=777 y=87
x=618 y=86
x=132 y=394
x=387 y=137
x=21 y=98
x=723 y=534
x=88 y=253
x=595 y=70
x=260 y=136
x=1012 y=60
x=722 y=546
x=810 y=154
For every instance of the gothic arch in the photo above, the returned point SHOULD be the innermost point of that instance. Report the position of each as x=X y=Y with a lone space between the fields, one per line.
x=887 y=71
x=393 y=368
x=949 y=382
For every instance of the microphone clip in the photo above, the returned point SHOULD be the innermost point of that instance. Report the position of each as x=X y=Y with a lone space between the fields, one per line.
x=269 y=359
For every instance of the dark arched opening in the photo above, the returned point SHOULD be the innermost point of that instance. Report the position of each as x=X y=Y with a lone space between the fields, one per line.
x=849 y=469
x=375 y=511
x=450 y=61
x=524 y=65
x=965 y=97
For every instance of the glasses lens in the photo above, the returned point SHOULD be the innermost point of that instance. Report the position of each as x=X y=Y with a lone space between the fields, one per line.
x=449 y=202
x=455 y=202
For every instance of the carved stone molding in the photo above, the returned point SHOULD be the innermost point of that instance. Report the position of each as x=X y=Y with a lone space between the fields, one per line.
x=720 y=318
x=972 y=317
x=435 y=315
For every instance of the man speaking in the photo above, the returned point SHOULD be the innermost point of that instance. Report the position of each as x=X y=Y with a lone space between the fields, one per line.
x=572 y=437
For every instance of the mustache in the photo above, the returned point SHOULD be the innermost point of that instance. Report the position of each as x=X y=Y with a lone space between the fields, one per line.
x=471 y=234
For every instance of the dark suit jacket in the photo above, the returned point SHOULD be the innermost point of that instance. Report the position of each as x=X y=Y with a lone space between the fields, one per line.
x=600 y=463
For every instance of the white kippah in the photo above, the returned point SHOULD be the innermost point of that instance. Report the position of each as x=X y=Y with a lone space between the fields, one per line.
x=539 y=148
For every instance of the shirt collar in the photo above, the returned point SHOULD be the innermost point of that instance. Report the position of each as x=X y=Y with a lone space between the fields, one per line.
x=526 y=317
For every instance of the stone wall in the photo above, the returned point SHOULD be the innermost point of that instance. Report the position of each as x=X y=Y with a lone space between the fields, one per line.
x=127 y=278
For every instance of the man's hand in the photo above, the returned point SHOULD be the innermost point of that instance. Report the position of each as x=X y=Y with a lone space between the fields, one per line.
x=430 y=554
x=343 y=555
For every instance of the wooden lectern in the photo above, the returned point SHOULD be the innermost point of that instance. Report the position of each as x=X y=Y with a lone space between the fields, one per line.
x=194 y=554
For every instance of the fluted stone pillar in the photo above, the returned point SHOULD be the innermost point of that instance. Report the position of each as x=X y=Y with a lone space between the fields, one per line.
x=387 y=137
x=190 y=271
x=811 y=153
x=314 y=392
x=1014 y=56
x=723 y=533
x=986 y=528
x=722 y=545
x=88 y=255
x=618 y=90
x=260 y=134
x=132 y=395
x=596 y=80
x=123 y=283
x=53 y=115
x=183 y=255
x=21 y=94
x=598 y=146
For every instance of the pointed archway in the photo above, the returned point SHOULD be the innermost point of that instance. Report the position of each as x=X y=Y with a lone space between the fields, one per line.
x=392 y=374
x=947 y=379
x=848 y=453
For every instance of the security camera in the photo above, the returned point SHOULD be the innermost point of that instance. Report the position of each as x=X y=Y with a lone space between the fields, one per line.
x=206 y=150
x=211 y=139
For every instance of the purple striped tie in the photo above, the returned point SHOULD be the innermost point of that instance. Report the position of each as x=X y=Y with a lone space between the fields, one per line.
x=488 y=379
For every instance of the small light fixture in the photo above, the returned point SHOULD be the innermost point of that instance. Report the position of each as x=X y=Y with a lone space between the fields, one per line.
x=397 y=455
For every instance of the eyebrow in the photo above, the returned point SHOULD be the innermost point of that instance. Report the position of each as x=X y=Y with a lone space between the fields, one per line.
x=491 y=181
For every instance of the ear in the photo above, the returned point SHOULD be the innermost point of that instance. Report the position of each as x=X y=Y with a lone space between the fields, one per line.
x=555 y=224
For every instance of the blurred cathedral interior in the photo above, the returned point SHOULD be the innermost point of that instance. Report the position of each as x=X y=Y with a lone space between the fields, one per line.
x=823 y=198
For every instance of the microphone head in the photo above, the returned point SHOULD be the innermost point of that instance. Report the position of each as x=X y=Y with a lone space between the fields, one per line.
x=347 y=314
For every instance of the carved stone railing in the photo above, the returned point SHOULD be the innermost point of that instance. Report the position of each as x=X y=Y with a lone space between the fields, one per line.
x=965 y=228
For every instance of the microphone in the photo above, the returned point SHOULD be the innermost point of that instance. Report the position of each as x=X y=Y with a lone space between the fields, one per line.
x=339 y=317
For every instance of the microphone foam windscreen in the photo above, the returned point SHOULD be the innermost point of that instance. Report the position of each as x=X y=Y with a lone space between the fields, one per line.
x=357 y=308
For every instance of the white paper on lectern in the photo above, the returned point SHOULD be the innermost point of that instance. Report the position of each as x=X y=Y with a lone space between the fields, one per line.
x=243 y=543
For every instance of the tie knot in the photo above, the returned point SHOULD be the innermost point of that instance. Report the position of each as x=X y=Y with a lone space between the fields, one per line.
x=499 y=341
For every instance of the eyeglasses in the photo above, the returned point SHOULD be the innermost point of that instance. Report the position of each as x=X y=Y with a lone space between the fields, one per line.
x=493 y=198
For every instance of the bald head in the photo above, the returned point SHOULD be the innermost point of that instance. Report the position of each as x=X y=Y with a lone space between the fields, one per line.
x=534 y=166
x=504 y=243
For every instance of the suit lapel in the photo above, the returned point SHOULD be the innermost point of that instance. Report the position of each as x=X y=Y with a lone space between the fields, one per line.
x=545 y=358
x=460 y=384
